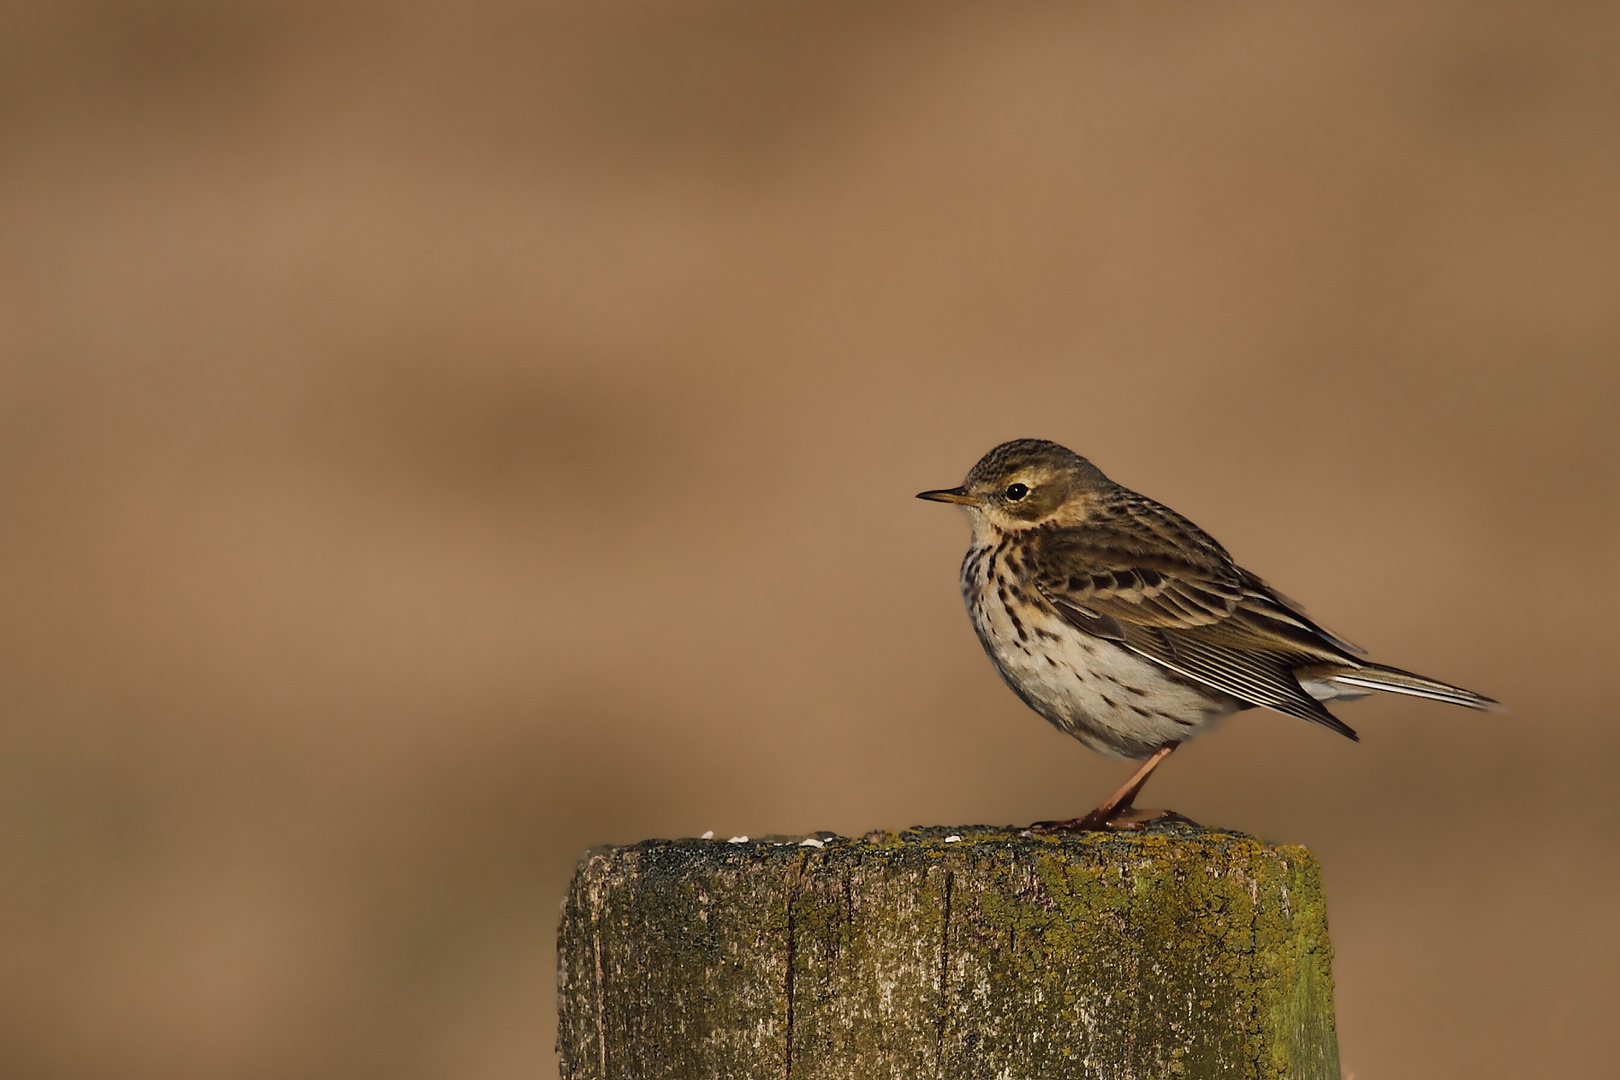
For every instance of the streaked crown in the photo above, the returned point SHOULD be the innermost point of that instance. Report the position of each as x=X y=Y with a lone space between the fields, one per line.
x=1027 y=481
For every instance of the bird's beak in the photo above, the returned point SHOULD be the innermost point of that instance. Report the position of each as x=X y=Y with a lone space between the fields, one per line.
x=950 y=495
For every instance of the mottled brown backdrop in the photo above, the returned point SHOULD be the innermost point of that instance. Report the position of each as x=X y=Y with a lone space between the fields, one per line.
x=437 y=438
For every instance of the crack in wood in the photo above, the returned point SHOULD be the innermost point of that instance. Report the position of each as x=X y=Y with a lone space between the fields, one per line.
x=944 y=971
x=792 y=958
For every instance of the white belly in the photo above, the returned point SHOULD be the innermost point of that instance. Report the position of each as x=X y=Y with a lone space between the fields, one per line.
x=1112 y=700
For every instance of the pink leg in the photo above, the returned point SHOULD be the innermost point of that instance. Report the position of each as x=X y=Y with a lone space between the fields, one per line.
x=1119 y=809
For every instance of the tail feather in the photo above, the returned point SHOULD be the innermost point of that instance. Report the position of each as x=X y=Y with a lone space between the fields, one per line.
x=1396 y=681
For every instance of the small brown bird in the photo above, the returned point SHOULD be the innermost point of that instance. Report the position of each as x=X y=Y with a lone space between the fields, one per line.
x=1128 y=627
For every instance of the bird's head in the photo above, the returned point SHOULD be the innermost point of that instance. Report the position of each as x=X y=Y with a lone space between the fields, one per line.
x=1024 y=483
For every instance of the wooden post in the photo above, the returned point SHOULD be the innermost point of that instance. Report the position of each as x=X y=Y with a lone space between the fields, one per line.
x=973 y=953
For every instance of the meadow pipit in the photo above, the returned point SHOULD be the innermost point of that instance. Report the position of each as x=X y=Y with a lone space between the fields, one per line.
x=1128 y=627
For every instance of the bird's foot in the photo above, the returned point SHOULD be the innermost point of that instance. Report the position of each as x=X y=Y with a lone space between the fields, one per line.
x=1115 y=819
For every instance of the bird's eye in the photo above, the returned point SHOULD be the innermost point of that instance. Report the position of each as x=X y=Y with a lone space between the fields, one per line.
x=1016 y=491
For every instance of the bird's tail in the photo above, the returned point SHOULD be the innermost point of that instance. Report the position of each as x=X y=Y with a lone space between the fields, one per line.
x=1364 y=677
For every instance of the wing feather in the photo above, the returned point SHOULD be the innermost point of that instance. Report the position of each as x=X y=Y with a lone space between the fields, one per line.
x=1145 y=577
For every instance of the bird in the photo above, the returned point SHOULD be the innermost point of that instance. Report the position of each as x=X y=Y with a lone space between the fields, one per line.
x=1130 y=628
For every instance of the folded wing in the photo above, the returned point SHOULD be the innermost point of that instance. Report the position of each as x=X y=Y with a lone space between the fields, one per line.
x=1139 y=574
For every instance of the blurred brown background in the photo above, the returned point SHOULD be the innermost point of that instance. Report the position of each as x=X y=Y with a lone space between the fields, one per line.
x=440 y=438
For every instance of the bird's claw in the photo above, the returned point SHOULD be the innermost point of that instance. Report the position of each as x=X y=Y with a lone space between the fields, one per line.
x=1120 y=819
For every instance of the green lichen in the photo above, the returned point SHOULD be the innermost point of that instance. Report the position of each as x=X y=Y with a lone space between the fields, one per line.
x=1176 y=952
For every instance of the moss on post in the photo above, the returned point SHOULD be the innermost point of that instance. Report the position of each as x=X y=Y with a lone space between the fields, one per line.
x=966 y=953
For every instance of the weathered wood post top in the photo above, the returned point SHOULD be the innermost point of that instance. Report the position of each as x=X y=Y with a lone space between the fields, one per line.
x=974 y=953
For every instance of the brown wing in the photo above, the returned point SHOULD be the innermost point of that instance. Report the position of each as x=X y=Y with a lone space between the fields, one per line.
x=1139 y=574
x=1286 y=607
